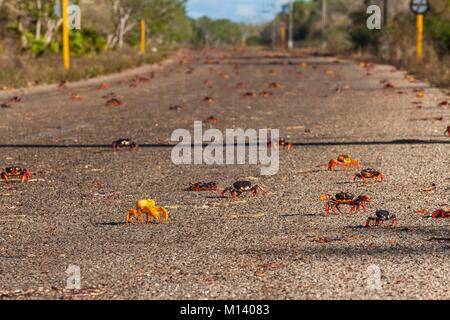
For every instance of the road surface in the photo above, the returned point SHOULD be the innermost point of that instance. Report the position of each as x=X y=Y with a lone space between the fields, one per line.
x=278 y=246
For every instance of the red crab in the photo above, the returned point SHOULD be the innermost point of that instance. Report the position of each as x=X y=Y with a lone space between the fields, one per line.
x=265 y=94
x=75 y=97
x=343 y=160
x=447 y=132
x=16 y=172
x=213 y=119
x=114 y=102
x=441 y=213
x=369 y=173
x=345 y=198
x=276 y=85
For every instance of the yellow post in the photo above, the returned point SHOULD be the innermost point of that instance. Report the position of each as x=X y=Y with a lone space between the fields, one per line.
x=283 y=38
x=419 y=37
x=143 y=37
x=66 y=48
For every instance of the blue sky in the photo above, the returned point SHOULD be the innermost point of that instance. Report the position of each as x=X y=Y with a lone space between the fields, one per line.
x=249 y=11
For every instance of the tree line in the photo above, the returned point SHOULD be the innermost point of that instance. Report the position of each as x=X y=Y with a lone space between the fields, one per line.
x=34 y=26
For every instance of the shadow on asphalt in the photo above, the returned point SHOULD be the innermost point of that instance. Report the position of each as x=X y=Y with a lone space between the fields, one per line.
x=297 y=144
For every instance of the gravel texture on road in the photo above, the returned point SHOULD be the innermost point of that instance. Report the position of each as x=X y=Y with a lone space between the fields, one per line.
x=276 y=246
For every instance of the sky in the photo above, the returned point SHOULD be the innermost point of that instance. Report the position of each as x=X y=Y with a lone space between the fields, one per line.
x=248 y=11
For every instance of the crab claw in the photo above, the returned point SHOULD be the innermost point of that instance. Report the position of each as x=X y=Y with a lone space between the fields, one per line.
x=324 y=197
x=331 y=165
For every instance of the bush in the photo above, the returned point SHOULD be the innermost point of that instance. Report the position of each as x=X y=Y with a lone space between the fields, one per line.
x=82 y=42
x=439 y=31
x=361 y=37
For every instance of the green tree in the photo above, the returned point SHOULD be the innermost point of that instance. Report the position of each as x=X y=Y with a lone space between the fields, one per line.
x=212 y=33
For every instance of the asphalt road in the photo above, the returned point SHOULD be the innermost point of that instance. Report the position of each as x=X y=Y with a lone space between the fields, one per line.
x=279 y=246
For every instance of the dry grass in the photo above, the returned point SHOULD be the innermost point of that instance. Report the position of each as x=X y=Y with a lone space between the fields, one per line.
x=21 y=71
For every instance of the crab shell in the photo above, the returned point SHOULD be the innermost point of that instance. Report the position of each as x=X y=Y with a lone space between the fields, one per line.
x=344 y=196
x=385 y=215
x=242 y=185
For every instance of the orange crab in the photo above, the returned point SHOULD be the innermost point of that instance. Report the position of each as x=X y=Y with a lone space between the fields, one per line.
x=345 y=161
x=148 y=207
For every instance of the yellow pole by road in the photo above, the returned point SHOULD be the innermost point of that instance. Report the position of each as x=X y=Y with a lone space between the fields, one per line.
x=143 y=37
x=66 y=48
x=283 y=38
x=419 y=37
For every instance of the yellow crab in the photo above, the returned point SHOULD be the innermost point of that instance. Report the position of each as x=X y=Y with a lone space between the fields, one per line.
x=148 y=207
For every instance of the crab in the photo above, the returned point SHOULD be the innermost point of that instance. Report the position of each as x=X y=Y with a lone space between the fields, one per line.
x=345 y=198
x=213 y=119
x=124 y=143
x=176 y=108
x=441 y=213
x=276 y=85
x=202 y=186
x=369 y=173
x=75 y=97
x=16 y=172
x=381 y=216
x=240 y=187
x=281 y=142
x=250 y=94
x=343 y=160
x=209 y=99
x=447 y=132
x=148 y=207
x=265 y=94
x=114 y=102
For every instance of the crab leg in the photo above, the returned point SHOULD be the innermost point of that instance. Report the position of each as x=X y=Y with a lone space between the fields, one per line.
x=128 y=219
x=327 y=209
x=165 y=214
x=153 y=213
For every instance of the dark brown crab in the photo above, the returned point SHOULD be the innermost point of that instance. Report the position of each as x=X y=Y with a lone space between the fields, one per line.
x=345 y=198
x=240 y=187
x=16 y=172
x=369 y=173
x=124 y=143
x=380 y=217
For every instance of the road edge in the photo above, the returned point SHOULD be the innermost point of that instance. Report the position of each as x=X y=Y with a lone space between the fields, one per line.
x=127 y=73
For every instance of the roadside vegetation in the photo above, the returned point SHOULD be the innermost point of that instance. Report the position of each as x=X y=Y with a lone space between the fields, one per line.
x=30 y=36
x=345 y=32
x=31 y=41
